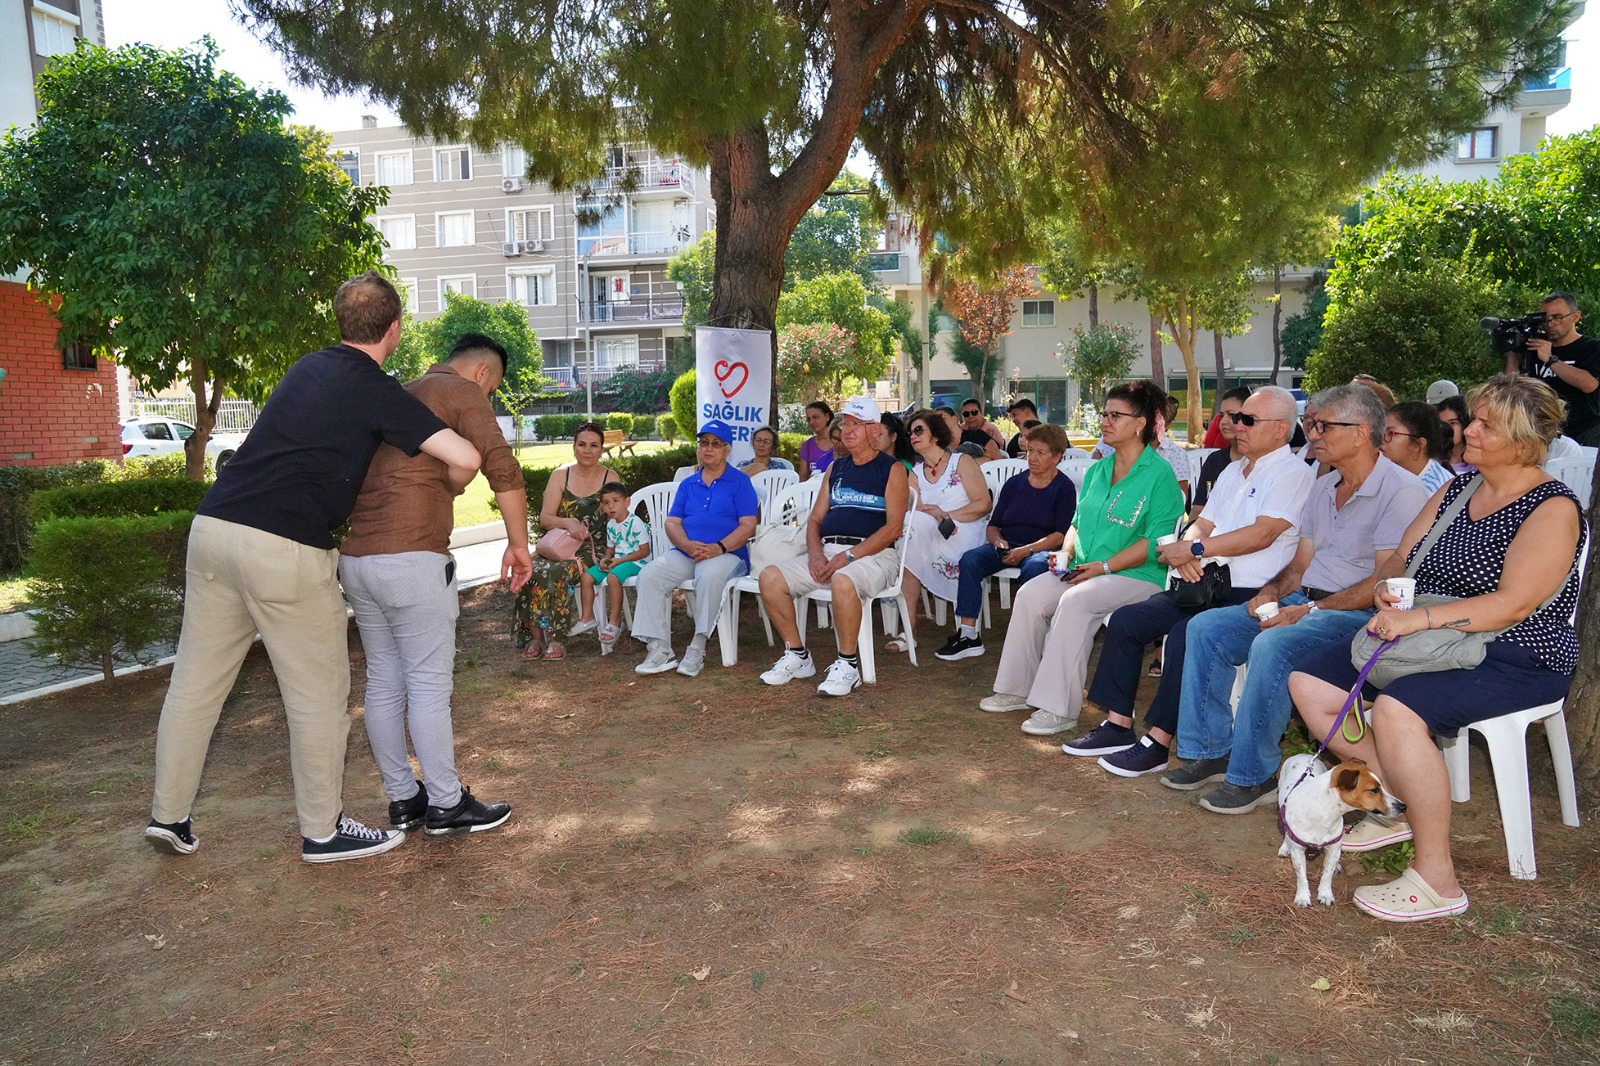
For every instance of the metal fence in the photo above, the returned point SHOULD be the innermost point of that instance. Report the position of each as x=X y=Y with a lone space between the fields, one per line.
x=233 y=416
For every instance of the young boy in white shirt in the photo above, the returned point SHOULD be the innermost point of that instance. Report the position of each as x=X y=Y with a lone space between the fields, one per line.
x=627 y=547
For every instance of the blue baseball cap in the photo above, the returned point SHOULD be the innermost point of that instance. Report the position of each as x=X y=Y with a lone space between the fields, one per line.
x=717 y=428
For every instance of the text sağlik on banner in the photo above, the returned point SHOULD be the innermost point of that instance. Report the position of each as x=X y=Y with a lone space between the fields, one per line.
x=733 y=382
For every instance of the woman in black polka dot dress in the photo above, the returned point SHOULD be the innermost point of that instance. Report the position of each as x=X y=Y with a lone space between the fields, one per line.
x=1515 y=544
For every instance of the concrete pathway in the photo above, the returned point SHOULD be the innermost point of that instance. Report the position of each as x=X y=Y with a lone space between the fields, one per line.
x=24 y=677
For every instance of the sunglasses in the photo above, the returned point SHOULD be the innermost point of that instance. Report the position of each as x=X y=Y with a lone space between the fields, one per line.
x=589 y=427
x=1242 y=419
x=918 y=430
x=970 y=414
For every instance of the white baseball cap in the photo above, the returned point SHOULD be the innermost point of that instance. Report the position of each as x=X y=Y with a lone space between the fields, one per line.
x=1442 y=389
x=862 y=407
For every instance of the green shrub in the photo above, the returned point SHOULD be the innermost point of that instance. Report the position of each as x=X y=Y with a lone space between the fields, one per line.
x=549 y=427
x=17 y=486
x=106 y=589
x=683 y=404
x=620 y=420
x=634 y=471
x=789 y=446
x=639 y=391
x=171 y=464
x=667 y=427
x=115 y=499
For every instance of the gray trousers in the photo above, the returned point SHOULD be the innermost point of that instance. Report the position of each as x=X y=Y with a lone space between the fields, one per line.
x=652 y=614
x=406 y=607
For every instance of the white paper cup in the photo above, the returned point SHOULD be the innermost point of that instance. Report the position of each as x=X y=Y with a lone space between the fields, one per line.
x=1060 y=562
x=1170 y=538
x=1267 y=611
x=1404 y=589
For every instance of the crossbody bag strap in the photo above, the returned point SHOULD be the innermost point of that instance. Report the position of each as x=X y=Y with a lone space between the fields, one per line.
x=1447 y=516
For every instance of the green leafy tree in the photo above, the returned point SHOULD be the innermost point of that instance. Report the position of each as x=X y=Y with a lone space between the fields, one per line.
x=841 y=299
x=833 y=237
x=814 y=362
x=1098 y=356
x=685 y=405
x=1302 y=331
x=188 y=233
x=694 y=269
x=981 y=117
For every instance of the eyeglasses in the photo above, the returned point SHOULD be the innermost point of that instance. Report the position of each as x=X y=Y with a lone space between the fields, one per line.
x=1242 y=419
x=1391 y=434
x=1560 y=318
x=712 y=442
x=1114 y=415
x=1320 y=426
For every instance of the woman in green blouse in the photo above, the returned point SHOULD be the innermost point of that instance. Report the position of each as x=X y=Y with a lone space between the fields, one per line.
x=1129 y=500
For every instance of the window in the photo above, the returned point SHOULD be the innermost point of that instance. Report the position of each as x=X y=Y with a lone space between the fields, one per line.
x=394 y=168
x=78 y=356
x=399 y=231
x=1481 y=143
x=452 y=164
x=454 y=229
x=408 y=291
x=611 y=353
x=1038 y=312
x=349 y=161
x=463 y=284
x=156 y=431
x=532 y=288
x=54 y=34
x=531 y=224
x=514 y=159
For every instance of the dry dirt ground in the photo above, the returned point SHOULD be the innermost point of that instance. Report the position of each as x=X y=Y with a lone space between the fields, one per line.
x=715 y=871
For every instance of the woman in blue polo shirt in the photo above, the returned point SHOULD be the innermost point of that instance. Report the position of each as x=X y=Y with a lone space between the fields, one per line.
x=713 y=515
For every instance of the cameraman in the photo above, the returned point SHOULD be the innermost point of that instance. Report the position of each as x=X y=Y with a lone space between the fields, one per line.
x=1568 y=363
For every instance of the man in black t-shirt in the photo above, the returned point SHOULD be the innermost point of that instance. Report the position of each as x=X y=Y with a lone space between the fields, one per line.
x=261 y=560
x=1024 y=415
x=1569 y=363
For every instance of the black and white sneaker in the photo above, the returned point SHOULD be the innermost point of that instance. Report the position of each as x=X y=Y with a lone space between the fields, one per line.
x=405 y=815
x=174 y=838
x=468 y=816
x=351 y=840
x=1103 y=739
x=960 y=647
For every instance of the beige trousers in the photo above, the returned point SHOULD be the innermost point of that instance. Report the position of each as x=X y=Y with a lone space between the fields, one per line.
x=1051 y=632
x=242 y=581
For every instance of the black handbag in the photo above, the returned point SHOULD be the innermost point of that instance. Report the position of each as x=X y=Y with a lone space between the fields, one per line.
x=1214 y=589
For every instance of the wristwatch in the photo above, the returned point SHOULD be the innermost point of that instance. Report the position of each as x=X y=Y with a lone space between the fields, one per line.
x=850 y=554
x=1197 y=549
x=1312 y=607
x=1105 y=566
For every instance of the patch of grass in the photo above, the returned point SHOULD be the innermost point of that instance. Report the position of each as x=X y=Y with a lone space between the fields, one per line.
x=13 y=592
x=576 y=969
x=862 y=850
x=485 y=920
x=1391 y=860
x=925 y=837
x=492 y=763
x=876 y=753
x=623 y=782
x=1296 y=741
x=1504 y=920
x=841 y=725
x=1238 y=937
x=26 y=828
x=342 y=914
x=469 y=661
x=1574 y=1016
x=757 y=979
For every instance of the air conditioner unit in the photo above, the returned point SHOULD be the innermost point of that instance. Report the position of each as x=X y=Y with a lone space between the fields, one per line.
x=511 y=185
x=512 y=248
x=533 y=246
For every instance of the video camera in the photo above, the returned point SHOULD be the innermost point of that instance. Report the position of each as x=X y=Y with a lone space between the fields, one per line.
x=1513 y=334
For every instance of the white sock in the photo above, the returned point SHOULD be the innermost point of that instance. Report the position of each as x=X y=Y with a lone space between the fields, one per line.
x=970 y=632
x=698 y=643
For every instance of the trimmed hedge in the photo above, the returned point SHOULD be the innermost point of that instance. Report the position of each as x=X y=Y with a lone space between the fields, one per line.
x=620 y=420
x=17 y=487
x=107 y=589
x=112 y=499
x=635 y=471
x=667 y=427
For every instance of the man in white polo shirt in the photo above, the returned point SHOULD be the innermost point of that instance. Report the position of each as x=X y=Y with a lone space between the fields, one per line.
x=1251 y=520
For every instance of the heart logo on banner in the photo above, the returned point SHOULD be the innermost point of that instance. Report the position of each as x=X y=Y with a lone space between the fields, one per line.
x=726 y=370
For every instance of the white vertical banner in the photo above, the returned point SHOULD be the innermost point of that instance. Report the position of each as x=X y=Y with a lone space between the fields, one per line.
x=733 y=382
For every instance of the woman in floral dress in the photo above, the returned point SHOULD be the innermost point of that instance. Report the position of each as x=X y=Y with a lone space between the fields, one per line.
x=542 y=617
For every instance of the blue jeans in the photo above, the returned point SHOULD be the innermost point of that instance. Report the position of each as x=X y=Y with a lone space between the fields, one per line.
x=1221 y=640
x=984 y=562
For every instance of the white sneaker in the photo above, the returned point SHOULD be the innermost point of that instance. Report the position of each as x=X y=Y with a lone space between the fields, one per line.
x=842 y=680
x=692 y=661
x=657 y=662
x=790 y=667
x=580 y=628
x=1003 y=703
x=1044 y=724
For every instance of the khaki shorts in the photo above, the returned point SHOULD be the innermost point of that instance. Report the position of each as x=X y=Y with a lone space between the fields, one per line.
x=870 y=574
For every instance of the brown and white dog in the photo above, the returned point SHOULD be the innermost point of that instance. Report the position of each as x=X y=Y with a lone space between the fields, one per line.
x=1311 y=814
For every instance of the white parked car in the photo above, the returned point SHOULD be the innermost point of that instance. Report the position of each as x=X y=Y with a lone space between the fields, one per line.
x=158 y=436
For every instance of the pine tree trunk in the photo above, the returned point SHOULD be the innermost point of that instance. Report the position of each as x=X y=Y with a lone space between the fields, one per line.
x=1158 y=371
x=1277 y=321
x=1222 y=364
x=1583 y=698
x=1094 y=305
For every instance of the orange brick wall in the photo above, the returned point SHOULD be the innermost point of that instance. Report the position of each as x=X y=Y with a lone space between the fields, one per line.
x=49 y=416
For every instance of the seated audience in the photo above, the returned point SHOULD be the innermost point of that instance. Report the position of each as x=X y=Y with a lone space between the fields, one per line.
x=1029 y=520
x=1353 y=519
x=764 y=442
x=850 y=548
x=1129 y=501
x=816 y=451
x=1452 y=412
x=1415 y=440
x=1511 y=555
x=713 y=515
x=952 y=503
x=1228 y=452
x=1024 y=415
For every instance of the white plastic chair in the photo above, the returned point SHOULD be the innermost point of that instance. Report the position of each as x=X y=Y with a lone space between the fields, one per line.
x=1506 y=737
x=997 y=474
x=792 y=506
x=1197 y=459
x=1576 y=472
x=1075 y=466
x=891 y=599
x=769 y=483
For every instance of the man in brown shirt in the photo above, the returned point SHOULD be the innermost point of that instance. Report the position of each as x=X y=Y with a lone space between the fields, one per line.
x=400 y=580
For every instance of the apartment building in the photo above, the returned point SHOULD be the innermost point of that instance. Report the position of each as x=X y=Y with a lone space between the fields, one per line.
x=58 y=403
x=589 y=267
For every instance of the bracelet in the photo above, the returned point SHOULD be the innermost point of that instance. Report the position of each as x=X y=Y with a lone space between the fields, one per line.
x=723 y=546
x=1429 y=615
x=1105 y=566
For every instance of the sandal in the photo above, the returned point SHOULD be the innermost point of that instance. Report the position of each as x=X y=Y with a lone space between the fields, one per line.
x=1155 y=668
x=579 y=628
x=534 y=649
x=1408 y=898
x=554 y=652
x=897 y=644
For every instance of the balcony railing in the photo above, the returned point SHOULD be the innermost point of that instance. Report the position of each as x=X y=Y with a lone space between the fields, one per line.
x=661 y=307
x=643 y=242
x=1555 y=79
x=882 y=262
x=579 y=376
x=652 y=173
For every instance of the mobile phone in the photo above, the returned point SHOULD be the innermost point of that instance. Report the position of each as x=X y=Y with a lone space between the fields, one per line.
x=947 y=527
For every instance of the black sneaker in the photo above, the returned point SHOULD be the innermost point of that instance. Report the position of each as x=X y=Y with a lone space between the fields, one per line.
x=351 y=840
x=405 y=815
x=468 y=816
x=1103 y=739
x=1240 y=799
x=174 y=838
x=1145 y=757
x=1196 y=773
x=960 y=647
